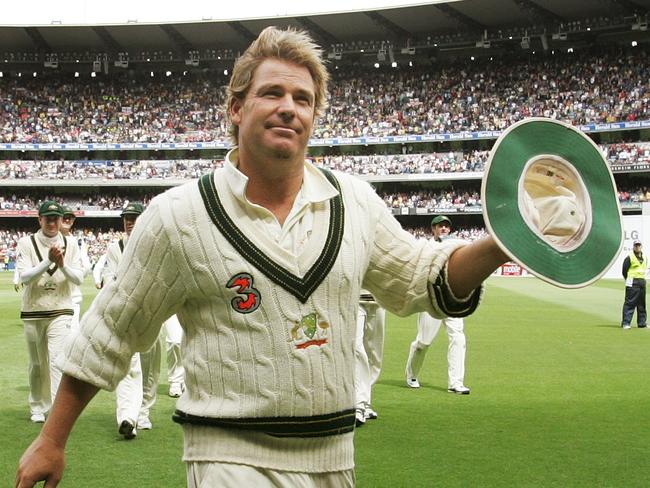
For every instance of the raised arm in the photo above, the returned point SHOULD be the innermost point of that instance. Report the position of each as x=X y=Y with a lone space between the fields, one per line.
x=27 y=270
x=470 y=265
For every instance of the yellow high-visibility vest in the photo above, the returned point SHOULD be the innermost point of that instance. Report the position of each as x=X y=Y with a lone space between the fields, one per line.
x=637 y=269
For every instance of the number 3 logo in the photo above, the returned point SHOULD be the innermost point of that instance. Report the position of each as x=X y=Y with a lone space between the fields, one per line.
x=243 y=282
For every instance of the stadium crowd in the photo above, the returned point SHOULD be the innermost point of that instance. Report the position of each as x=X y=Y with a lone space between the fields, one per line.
x=439 y=200
x=465 y=198
x=373 y=165
x=98 y=239
x=627 y=154
x=107 y=169
x=96 y=202
x=444 y=97
x=115 y=109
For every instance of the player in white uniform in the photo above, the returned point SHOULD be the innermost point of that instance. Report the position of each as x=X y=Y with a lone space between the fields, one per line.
x=66 y=229
x=129 y=391
x=428 y=328
x=137 y=392
x=16 y=280
x=175 y=370
x=263 y=261
x=98 y=271
x=48 y=266
x=369 y=352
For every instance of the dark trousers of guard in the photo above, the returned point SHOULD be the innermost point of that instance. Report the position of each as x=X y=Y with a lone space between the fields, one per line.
x=635 y=298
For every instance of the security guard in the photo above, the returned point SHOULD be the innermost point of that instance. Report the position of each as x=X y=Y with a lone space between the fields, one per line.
x=635 y=267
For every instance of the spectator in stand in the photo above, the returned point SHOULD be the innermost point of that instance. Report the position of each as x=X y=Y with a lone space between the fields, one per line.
x=606 y=85
x=375 y=165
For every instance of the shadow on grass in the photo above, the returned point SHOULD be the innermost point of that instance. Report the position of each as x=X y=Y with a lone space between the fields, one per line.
x=17 y=414
x=610 y=325
x=402 y=384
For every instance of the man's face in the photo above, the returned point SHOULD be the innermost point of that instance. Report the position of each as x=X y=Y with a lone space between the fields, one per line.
x=276 y=117
x=50 y=224
x=129 y=222
x=636 y=248
x=67 y=222
x=441 y=230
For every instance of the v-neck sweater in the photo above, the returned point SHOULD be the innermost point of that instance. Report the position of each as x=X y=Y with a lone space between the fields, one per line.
x=262 y=342
x=48 y=295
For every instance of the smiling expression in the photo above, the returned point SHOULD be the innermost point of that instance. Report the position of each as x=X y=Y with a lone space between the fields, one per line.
x=441 y=230
x=276 y=117
x=49 y=224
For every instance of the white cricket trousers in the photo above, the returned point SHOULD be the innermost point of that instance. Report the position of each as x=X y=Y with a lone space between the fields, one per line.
x=45 y=339
x=368 y=349
x=137 y=392
x=428 y=328
x=74 y=322
x=128 y=393
x=231 y=475
x=173 y=339
x=150 y=362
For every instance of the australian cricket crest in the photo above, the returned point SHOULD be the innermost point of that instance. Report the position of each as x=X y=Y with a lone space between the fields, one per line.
x=312 y=330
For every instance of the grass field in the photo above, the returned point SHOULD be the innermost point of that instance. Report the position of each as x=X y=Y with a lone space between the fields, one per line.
x=560 y=398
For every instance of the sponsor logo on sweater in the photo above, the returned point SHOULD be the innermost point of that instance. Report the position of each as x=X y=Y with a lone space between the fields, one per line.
x=248 y=299
x=310 y=331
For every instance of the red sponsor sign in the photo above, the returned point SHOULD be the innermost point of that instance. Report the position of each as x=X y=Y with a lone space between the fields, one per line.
x=18 y=213
x=511 y=269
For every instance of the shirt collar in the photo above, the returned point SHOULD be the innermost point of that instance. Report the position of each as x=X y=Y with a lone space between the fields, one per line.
x=49 y=241
x=315 y=186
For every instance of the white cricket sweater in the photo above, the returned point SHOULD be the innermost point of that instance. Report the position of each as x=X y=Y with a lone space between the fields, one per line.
x=113 y=257
x=269 y=336
x=49 y=295
x=98 y=270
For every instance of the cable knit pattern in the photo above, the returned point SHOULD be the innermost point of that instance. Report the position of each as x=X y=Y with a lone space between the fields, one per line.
x=243 y=365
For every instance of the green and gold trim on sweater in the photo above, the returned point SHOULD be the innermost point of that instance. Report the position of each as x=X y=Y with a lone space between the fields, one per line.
x=309 y=426
x=46 y=314
x=52 y=269
x=450 y=305
x=301 y=288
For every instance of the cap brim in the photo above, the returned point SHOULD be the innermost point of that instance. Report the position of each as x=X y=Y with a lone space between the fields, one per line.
x=519 y=144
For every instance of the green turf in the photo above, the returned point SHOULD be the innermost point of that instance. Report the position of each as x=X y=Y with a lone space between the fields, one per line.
x=559 y=399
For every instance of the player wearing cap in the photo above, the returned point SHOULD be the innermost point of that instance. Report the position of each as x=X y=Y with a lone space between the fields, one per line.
x=428 y=328
x=129 y=390
x=635 y=268
x=66 y=229
x=136 y=393
x=48 y=265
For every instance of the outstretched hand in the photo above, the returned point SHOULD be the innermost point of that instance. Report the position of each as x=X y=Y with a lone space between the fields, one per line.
x=44 y=460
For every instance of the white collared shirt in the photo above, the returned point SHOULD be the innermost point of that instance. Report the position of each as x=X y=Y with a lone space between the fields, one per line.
x=293 y=235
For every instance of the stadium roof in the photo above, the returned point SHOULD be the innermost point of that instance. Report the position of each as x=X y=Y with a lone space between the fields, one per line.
x=477 y=20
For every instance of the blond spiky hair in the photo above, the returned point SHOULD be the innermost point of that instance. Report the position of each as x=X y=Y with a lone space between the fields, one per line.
x=289 y=45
